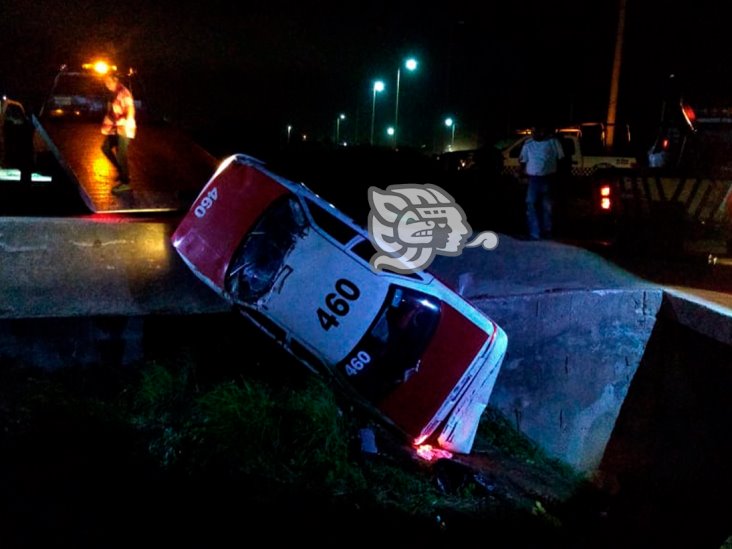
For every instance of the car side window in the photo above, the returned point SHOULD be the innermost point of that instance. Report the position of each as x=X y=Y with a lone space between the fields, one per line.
x=262 y=253
x=333 y=226
x=13 y=113
x=567 y=146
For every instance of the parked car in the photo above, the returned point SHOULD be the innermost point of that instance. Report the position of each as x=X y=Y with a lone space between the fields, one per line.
x=16 y=140
x=405 y=345
x=80 y=93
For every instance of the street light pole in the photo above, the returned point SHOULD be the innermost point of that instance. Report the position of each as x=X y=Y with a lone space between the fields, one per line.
x=450 y=123
x=396 y=102
x=410 y=64
x=378 y=88
x=613 y=104
x=338 y=127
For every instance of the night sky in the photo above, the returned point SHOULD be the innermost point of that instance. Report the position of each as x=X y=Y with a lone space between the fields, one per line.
x=258 y=66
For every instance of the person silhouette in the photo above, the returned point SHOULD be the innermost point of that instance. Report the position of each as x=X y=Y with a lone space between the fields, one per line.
x=539 y=159
x=118 y=128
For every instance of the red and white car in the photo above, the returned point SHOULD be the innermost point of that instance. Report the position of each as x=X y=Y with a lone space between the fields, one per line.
x=407 y=345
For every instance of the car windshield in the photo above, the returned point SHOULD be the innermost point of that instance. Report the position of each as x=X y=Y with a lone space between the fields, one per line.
x=79 y=85
x=392 y=349
x=262 y=253
x=85 y=96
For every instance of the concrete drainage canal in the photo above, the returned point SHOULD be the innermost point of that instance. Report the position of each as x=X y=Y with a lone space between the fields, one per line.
x=631 y=387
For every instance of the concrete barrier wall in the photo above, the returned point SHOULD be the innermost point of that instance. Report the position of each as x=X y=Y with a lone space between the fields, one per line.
x=51 y=343
x=667 y=462
x=571 y=359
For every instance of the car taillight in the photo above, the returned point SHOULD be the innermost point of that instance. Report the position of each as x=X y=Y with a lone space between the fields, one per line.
x=430 y=453
x=689 y=114
x=606 y=197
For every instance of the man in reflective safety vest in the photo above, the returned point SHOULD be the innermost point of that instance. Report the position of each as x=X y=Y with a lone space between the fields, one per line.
x=119 y=127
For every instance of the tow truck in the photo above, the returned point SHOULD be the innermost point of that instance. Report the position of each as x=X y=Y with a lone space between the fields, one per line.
x=681 y=201
x=168 y=168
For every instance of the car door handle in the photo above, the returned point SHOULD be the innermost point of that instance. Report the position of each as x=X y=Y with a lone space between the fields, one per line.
x=281 y=277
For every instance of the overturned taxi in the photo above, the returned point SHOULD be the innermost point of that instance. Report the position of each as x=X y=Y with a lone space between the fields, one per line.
x=415 y=352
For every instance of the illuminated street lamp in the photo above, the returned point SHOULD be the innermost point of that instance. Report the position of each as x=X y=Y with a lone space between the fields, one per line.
x=411 y=65
x=289 y=131
x=391 y=132
x=338 y=127
x=450 y=123
x=378 y=88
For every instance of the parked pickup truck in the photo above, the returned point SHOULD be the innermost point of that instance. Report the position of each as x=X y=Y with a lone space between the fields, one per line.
x=584 y=202
x=584 y=150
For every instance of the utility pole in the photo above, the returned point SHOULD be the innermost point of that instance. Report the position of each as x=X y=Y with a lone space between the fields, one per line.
x=612 y=108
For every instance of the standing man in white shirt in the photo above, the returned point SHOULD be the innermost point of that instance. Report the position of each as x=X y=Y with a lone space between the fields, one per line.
x=539 y=159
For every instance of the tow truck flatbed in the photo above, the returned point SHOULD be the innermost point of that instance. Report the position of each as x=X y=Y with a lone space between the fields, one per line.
x=167 y=168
